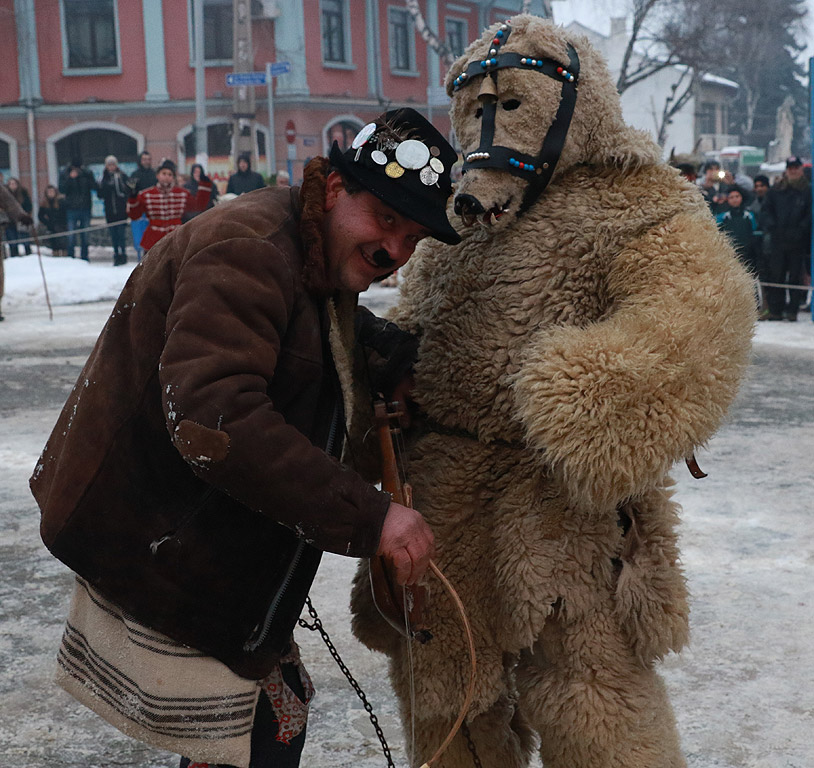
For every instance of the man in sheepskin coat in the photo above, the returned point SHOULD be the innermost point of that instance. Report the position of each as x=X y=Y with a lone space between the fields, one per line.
x=583 y=337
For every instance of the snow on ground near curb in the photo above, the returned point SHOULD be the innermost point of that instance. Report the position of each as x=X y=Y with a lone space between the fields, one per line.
x=70 y=281
x=73 y=281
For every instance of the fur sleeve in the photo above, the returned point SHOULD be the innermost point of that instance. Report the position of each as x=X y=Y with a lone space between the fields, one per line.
x=613 y=405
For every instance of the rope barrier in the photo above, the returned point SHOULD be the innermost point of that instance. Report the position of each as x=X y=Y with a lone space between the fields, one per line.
x=65 y=233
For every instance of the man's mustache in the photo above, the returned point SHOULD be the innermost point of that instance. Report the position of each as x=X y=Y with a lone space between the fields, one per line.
x=382 y=258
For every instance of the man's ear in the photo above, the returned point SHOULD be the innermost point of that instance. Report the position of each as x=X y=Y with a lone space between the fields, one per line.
x=333 y=186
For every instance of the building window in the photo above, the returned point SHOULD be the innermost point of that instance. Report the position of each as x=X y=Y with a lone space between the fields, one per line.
x=457 y=36
x=705 y=118
x=335 y=32
x=218 y=31
x=402 y=40
x=90 y=34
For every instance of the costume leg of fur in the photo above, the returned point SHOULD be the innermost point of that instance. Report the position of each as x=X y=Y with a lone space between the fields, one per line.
x=500 y=738
x=592 y=702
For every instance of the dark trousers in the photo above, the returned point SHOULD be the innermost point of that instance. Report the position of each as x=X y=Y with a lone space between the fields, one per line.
x=12 y=233
x=117 y=238
x=786 y=265
x=78 y=218
x=267 y=752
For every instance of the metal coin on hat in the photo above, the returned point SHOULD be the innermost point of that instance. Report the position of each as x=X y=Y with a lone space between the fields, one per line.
x=394 y=170
x=434 y=151
x=378 y=157
x=412 y=154
x=428 y=176
x=363 y=135
x=436 y=165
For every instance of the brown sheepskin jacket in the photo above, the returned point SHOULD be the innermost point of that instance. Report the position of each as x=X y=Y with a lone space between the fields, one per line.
x=187 y=475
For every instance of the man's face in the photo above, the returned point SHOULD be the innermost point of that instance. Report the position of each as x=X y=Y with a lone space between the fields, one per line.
x=760 y=190
x=794 y=172
x=712 y=174
x=364 y=237
x=147 y=161
x=165 y=177
x=242 y=165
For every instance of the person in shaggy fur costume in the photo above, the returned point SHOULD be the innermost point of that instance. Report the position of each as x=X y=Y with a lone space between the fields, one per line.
x=579 y=341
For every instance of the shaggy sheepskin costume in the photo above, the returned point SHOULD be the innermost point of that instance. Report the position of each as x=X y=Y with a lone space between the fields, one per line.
x=568 y=358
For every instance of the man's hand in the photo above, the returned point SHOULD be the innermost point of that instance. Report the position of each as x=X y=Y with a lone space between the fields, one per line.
x=403 y=393
x=131 y=185
x=407 y=542
x=26 y=220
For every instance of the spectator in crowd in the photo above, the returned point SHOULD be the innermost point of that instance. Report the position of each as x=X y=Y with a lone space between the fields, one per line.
x=165 y=203
x=763 y=240
x=145 y=178
x=77 y=183
x=10 y=210
x=191 y=185
x=13 y=232
x=739 y=224
x=282 y=179
x=114 y=191
x=788 y=220
x=54 y=217
x=713 y=187
x=245 y=179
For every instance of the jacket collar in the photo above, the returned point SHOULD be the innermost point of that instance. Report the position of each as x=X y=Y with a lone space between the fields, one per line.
x=312 y=212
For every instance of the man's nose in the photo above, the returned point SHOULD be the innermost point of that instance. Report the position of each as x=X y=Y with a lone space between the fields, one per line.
x=399 y=250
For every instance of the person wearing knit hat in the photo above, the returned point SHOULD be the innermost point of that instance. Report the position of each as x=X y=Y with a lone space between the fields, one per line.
x=166 y=203
x=216 y=410
x=114 y=191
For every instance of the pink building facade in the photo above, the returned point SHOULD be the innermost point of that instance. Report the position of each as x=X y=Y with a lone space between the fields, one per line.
x=90 y=78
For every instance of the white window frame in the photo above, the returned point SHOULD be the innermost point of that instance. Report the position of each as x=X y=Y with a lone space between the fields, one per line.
x=346 y=30
x=191 y=36
x=413 y=70
x=68 y=71
x=457 y=20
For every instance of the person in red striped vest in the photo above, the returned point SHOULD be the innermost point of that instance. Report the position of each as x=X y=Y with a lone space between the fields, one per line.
x=165 y=203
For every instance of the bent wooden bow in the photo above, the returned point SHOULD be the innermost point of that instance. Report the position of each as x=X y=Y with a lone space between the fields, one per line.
x=402 y=608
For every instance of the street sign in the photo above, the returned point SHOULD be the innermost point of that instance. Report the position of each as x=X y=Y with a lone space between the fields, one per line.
x=276 y=68
x=245 y=78
x=290 y=132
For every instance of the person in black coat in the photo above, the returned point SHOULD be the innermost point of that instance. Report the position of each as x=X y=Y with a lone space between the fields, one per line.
x=54 y=217
x=788 y=220
x=245 y=179
x=77 y=183
x=114 y=192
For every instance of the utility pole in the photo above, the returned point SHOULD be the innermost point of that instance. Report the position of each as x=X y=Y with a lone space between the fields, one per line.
x=243 y=110
x=201 y=139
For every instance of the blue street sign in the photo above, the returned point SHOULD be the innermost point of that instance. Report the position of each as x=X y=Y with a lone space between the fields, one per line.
x=276 y=68
x=245 y=78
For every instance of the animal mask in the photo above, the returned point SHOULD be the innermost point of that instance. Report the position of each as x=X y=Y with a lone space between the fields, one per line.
x=529 y=101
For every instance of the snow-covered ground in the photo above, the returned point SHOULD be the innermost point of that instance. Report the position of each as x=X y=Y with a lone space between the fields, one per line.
x=743 y=692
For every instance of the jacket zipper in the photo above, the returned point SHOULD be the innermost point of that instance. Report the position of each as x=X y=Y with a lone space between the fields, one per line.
x=259 y=637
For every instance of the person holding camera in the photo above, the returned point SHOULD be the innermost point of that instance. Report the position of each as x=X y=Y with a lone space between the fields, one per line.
x=713 y=187
x=165 y=203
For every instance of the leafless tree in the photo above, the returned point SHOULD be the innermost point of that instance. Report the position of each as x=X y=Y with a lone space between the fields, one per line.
x=436 y=42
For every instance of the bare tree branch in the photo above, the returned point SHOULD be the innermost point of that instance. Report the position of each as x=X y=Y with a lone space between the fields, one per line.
x=428 y=35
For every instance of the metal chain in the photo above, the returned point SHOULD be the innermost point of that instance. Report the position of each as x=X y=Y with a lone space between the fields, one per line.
x=317 y=627
x=471 y=745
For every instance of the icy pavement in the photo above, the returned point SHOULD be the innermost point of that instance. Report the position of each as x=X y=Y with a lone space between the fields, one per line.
x=743 y=692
